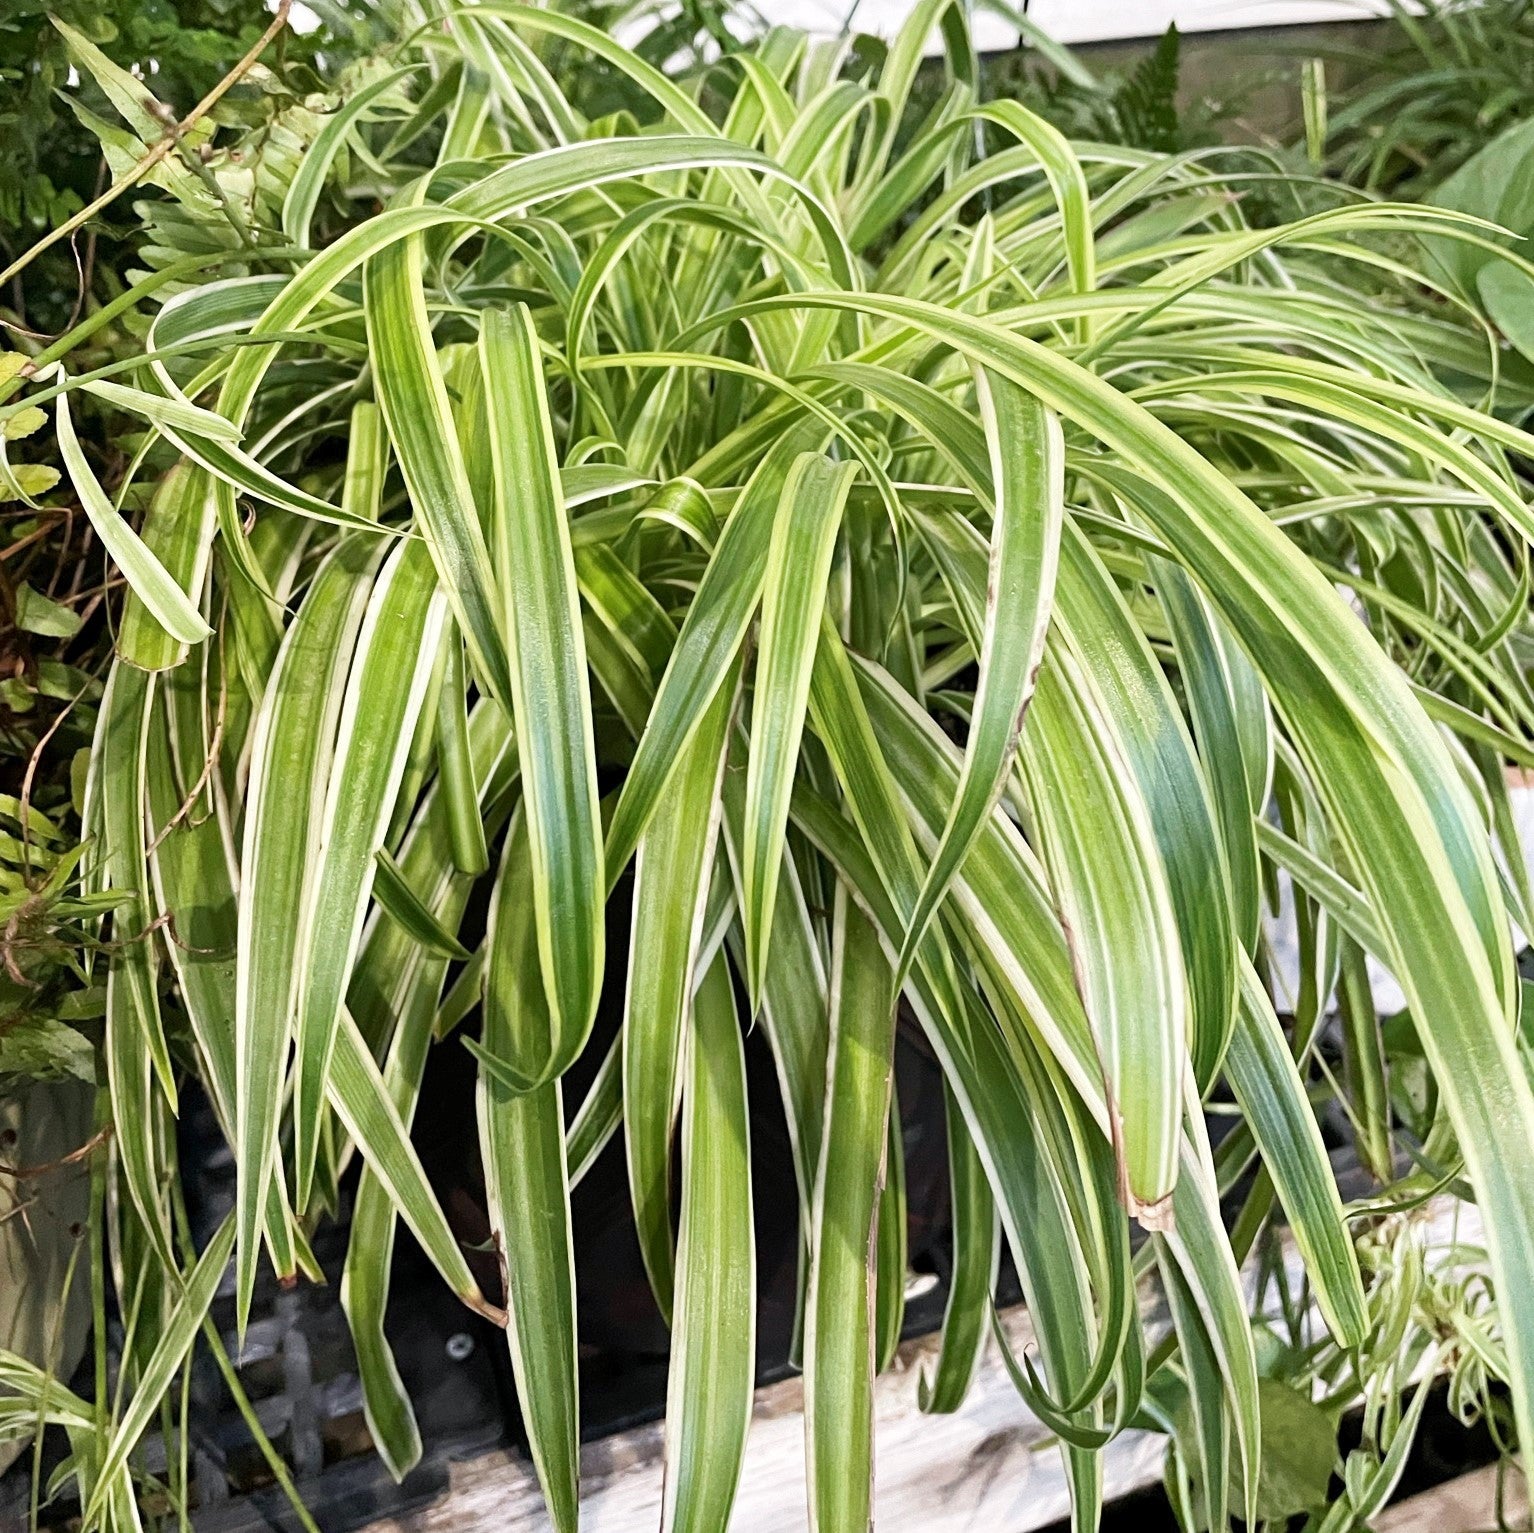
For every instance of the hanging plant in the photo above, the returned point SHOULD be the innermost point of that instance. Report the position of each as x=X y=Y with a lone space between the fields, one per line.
x=945 y=568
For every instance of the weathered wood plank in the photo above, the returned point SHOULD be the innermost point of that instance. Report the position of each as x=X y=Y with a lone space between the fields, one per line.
x=1464 y=1505
x=990 y=1466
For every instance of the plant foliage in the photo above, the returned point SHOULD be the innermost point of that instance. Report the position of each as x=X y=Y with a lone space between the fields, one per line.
x=1447 y=77
x=52 y=109
x=946 y=570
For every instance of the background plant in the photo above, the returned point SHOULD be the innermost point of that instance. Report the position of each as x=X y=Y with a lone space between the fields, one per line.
x=679 y=489
x=1442 y=80
x=1140 y=106
x=1437 y=110
x=51 y=164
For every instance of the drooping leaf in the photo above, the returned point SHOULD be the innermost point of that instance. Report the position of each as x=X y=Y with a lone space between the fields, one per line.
x=671 y=884
x=549 y=692
x=798 y=564
x=292 y=745
x=522 y=1139
x=1027 y=456
x=396 y=647
x=713 y=1334
x=839 y=1343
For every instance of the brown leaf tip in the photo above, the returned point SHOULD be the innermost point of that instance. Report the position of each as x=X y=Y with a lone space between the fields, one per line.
x=1155 y=1217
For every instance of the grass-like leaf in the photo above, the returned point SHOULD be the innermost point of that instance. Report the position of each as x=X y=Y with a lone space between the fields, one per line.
x=740 y=482
x=713 y=1337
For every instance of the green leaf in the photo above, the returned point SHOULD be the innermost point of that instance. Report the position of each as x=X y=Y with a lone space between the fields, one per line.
x=391 y=665
x=671 y=885
x=1272 y=1097
x=189 y=859
x=395 y=896
x=1299 y=1450
x=45 y=1049
x=994 y=1098
x=455 y=764
x=794 y=1014
x=177 y=528
x=361 y=1098
x=170 y=1352
x=597 y=1119
x=414 y=402
x=1508 y=293
x=367 y=462
x=976 y=1260
x=1488 y=186
x=132 y=98
x=1205 y=1400
x=121 y=732
x=307 y=186
x=398 y=984
x=35 y=613
x=1110 y=881
x=891 y=1246
x=165 y=601
x=549 y=693
x=1233 y=726
x=713 y=1335
x=793 y=600
x=24 y=423
x=170 y=415
x=1027 y=456
x=522 y=1139
x=711 y=637
x=292 y=745
x=25 y=481
x=513 y=976
x=839 y=1344
x=1201 y=1250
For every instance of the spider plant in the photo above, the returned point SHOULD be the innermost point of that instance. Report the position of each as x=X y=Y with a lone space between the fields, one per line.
x=1433 y=1321
x=1450 y=76
x=948 y=572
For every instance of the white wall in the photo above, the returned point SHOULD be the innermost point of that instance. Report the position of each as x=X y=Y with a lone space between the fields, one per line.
x=1082 y=21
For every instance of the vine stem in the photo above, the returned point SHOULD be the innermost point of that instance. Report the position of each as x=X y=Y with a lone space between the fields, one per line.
x=157 y=151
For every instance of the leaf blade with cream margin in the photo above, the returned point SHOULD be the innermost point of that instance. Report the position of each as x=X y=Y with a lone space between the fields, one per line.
x=839 y=1329
x=671 y=884
x=522 y=1144
x=291 y=746
x=793 y=598
x=713 y=1339
x=1395 y=797
x=1027 y=460
x=550 y=695
x=396 y=649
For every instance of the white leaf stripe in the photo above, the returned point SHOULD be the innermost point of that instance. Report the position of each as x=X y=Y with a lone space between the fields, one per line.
x=396 y=648
x=291 y=747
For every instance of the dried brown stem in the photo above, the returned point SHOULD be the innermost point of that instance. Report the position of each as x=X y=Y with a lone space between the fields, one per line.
x=31 y=1173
